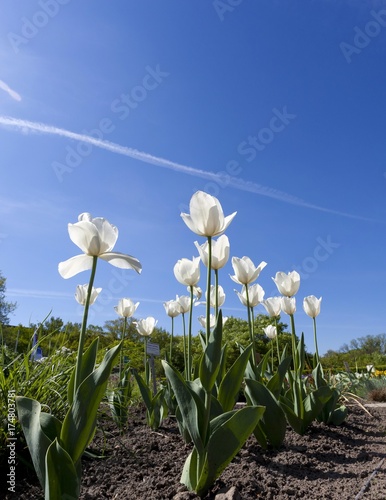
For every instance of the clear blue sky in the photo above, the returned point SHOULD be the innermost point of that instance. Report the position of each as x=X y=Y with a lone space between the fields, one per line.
x=287 y=98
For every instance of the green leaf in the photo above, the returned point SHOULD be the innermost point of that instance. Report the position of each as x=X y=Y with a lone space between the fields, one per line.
x=227 y=439
x=230 y=386
x=30 y=414
x=294 y=421
x=261 y=368
x=190 y=471
x=144 y=390
x=275 y=383
x=210 y=362
x=62 y=477
x=273 y=423
x=223 y=362
x=190 y=405
x=88 y=365
x=158 y=411
x=79 y=424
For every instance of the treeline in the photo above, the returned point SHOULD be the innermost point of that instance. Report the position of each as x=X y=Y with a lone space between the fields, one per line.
x=360 y=352
x=55 y=334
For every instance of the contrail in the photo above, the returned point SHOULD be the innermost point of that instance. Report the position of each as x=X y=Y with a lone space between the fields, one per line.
x=220 y=178
x=10 y=92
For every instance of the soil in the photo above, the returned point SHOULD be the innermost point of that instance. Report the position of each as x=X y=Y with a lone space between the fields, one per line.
x=345 y=462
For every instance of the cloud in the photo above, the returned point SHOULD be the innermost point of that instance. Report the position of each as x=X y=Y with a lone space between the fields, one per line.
x=38 y=294
x=234 y=182
x=9 y=91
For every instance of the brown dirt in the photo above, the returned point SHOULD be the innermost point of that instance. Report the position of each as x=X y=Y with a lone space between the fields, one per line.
x=346 y=462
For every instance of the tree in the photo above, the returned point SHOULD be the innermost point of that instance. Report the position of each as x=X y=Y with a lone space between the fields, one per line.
x=6 y=308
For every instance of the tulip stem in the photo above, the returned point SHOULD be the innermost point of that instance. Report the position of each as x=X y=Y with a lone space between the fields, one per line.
x=294 y=351
x=316 y=342
x=277 y=341
x=189 y=366
x=147 y=380
x=82 y=337
x=250 y=326
x=216 y=291
x=184 y=345
x=171 y=340
x=121 y=353
x=208 y=289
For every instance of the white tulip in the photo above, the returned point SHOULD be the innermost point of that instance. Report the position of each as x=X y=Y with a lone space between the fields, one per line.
x=245 y=270
x=270 y=331
x=255 y=295
x=126 y=308
x=145 y=326
x=172 y=308
x=311 y=306
x=187 y=272
x=287 y=284
x=96 y=238
x=288 y=305
x=81 y=294
x=220 y=252
x=273 y=306
x=206 y=216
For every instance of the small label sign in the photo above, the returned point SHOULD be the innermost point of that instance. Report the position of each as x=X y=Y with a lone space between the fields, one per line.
x=153 y=349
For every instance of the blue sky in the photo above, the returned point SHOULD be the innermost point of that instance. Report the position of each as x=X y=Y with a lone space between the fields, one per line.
x=277 y=108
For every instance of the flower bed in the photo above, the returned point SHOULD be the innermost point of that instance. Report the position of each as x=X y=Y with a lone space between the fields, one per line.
x=326 y=463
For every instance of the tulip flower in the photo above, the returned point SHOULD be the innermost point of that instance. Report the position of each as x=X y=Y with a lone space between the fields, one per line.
x=311 y=306
x=126 y=308
x=184 y=302
x=245 y=270
x=213 y=318
x=187 y=272
x=96 y=238
x=273 y=306
x=250 y=296
x=270 y=331
x=212 y=296
x=206 y=216
x=220 y=252
x=287 y=284
x=146 y=326
x=196 y=290
x=81 y=294
x=172 y=308
x=255 y=295
x=288 y=305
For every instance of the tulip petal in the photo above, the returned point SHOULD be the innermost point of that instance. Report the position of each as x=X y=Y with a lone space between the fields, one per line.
x=108 y=234
x=189 y=222
x=85 y=235
x=227 y=220
x=75 y=265
x=206 y=213
x=122 y=261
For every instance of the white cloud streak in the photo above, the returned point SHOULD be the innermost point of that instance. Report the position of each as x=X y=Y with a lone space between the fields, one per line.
x=222 y=180
x=9 y=91
x=38 y=294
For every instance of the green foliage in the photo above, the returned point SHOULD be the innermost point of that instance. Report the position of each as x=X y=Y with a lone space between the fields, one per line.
x=360 y=352
x=45 y=381
x=6 y=308
x=156 y=407
x=56 y=448
x=217 y=435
